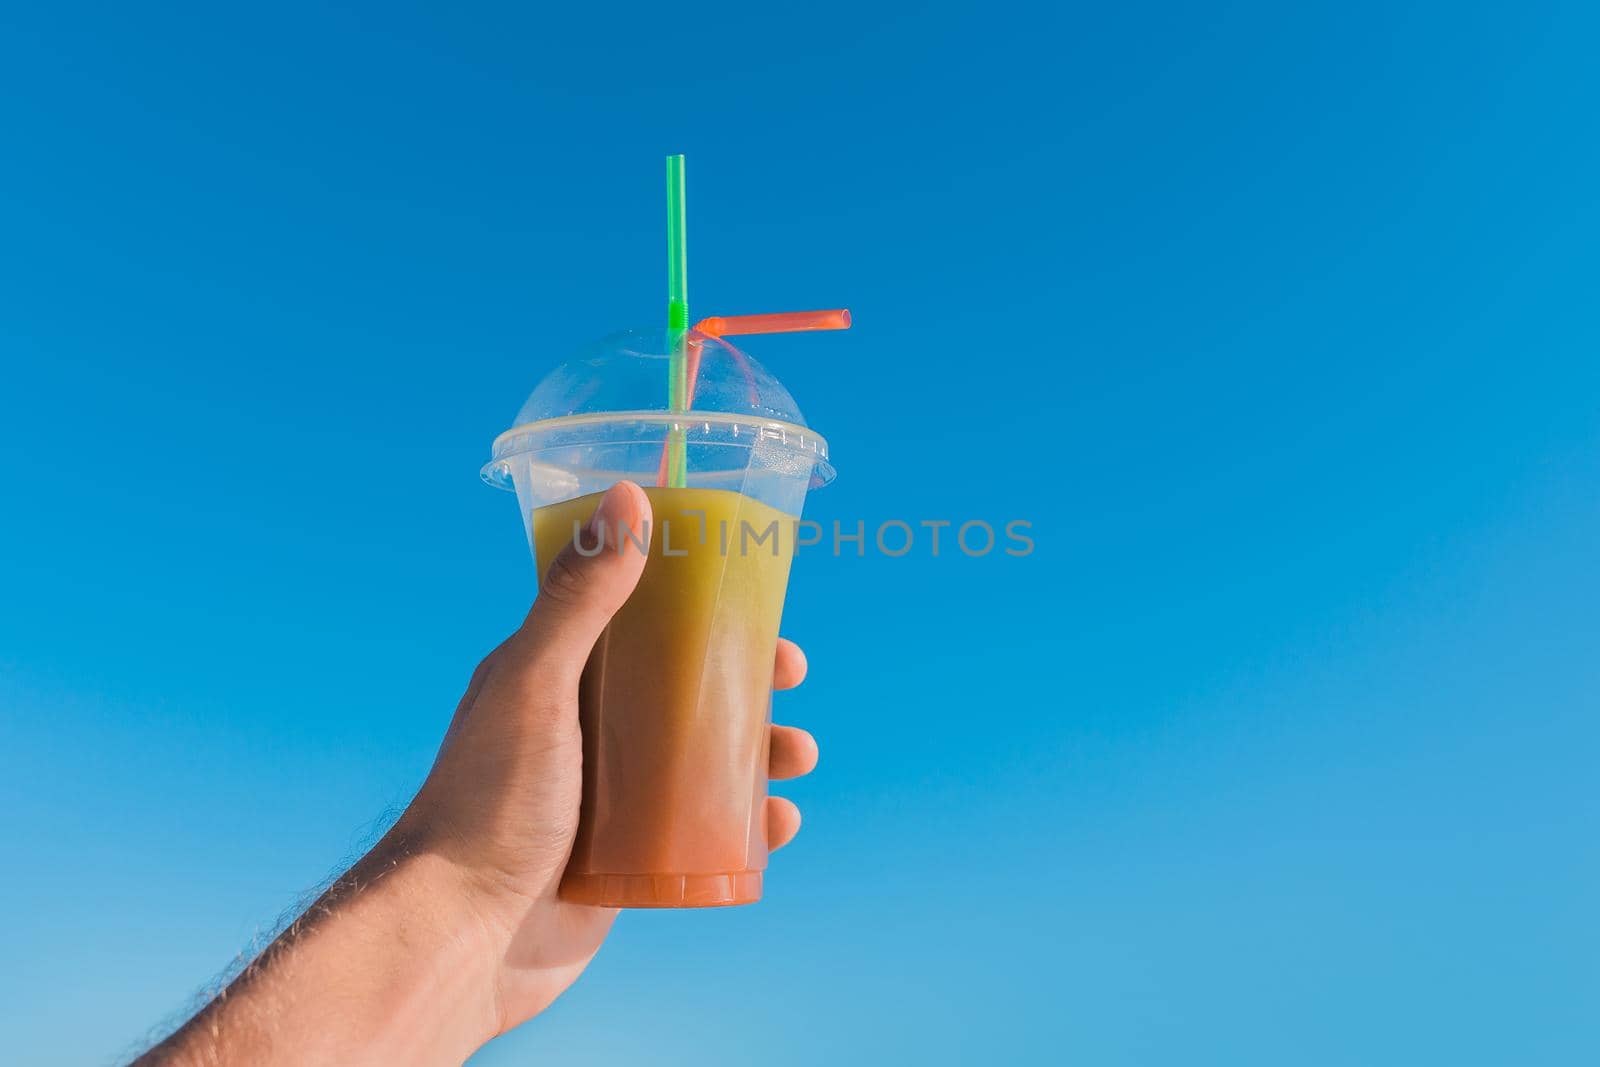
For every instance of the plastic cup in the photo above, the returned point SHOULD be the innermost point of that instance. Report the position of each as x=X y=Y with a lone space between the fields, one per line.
x=675 y=701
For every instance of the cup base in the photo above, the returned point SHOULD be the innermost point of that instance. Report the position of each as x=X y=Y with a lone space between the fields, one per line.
x=662 y=890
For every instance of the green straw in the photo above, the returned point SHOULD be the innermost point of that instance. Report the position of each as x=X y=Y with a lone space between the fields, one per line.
x=677 y=321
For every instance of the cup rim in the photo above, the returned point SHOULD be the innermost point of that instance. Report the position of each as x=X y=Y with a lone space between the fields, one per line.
x=795 y=436
x=671 y=418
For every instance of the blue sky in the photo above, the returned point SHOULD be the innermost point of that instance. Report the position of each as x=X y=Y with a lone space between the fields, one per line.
x=1276 y=321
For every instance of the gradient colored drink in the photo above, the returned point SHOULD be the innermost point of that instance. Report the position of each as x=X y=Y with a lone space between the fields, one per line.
x=675 y=699
x=674 y=704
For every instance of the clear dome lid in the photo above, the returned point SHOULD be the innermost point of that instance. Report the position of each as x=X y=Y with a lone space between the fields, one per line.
x=617 y=389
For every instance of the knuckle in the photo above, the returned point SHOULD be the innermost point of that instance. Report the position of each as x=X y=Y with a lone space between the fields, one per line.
x=566 y=579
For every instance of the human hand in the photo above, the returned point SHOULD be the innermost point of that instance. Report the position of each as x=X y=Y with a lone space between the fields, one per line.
x=501 y=803
x=450 y=931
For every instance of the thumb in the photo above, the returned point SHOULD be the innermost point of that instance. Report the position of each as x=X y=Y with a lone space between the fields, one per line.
x=590 y=579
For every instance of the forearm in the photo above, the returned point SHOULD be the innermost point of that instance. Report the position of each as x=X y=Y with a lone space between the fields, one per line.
x=389 y=967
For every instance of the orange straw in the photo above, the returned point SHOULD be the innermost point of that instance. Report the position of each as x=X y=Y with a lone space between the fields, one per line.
x=783 y=322
x=742 y=325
